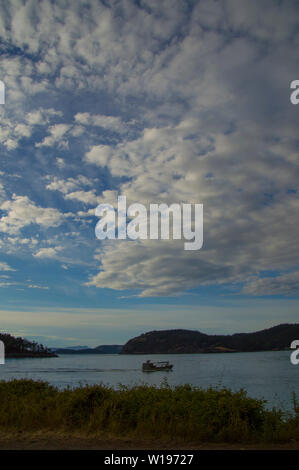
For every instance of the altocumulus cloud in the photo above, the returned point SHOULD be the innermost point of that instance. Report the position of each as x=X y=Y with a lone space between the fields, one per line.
x=194 y=107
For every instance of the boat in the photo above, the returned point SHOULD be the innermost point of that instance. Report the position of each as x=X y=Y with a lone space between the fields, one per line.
x=150 y=366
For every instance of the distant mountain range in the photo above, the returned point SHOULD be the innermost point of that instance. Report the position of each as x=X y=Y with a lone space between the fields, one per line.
x=187 y=341
x=103 y=349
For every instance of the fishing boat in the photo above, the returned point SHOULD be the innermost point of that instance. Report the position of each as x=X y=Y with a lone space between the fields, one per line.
x=150 y=366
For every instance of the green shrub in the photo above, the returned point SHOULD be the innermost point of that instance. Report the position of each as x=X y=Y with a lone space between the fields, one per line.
x=183 y=413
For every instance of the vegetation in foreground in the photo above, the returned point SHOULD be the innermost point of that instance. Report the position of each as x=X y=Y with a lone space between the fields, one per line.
x=184 y=413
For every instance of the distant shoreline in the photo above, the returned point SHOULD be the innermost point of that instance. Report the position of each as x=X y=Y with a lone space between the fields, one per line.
x=29 y=355
x=200 y=352
x=215 y=351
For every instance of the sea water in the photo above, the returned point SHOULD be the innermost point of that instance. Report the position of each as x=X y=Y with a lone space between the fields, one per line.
x=266 y=375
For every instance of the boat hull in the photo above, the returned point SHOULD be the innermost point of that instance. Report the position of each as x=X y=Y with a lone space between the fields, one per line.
x=153 y=368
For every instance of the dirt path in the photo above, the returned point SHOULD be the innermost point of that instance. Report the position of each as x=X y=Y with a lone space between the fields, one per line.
x=59 y=441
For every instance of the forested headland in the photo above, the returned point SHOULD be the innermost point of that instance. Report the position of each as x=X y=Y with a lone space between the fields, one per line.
x=17 y=347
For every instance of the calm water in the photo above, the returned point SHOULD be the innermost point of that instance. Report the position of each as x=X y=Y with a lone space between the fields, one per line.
x=268 y=375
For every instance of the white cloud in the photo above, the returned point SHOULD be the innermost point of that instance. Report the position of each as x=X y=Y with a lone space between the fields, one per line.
x=13 y=129
x=57 y=131
x=22 y=130
x=7 y=284
x=22 y=241
x=21 y=212
x=60 y=162
x=35 y=286
x=87 y=197
x=64 y=186
x=88 y=213
x=11 y=144
x=99 y=155
x=51 y=252
x=67 y=187
x=5 y=267
x=41 y=116
x=112 y=123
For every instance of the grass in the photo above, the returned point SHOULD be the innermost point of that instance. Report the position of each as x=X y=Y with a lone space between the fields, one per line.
x=184 y=413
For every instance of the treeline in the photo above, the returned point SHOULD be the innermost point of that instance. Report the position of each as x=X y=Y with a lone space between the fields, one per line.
x=21 y=347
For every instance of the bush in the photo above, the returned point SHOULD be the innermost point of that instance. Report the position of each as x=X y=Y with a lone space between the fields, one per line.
x=183 y=413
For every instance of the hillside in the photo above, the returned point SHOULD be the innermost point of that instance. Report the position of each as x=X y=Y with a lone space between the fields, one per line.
x=20 y=347
x=186 y=341
x=103 y=349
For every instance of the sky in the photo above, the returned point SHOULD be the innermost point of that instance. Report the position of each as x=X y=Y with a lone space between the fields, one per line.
x=161 y=101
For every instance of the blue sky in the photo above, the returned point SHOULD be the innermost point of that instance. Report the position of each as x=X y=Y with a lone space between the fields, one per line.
x=163 y=102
